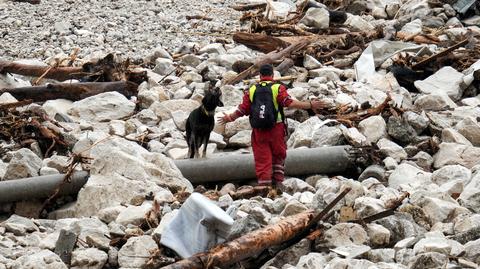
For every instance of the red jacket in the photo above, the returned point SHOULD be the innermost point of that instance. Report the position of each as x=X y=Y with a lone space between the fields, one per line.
x=283 y=99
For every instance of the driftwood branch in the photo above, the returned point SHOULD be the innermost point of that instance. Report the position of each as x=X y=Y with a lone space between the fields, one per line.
x=249 y=7
x=440 y=54
x=57 y=73
x=268 y=59
x=71 y=91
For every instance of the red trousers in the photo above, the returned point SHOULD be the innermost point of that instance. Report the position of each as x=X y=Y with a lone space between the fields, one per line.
x=269 y=152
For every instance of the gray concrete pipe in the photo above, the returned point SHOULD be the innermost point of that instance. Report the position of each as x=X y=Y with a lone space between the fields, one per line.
x=214 y=169
x=234 y=167
x=39 y=187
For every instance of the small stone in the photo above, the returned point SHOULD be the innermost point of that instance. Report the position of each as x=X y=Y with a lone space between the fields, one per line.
x=373 y=128
x=136 y=252
x=292 y=208
x=91 y=258
x=391 y=149
x=379 y=235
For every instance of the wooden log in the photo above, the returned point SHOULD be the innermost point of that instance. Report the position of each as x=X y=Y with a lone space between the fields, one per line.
x=288 y=229
x=71 y=91
x=440 y=54
x=268 y=59
x=247 y=245
x=286 y=64
x=33 y=2
x=57 y=73
x=249 y=7
x=260 y=42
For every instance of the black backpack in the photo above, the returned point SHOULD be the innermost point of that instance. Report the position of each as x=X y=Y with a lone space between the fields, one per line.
x=263 y=114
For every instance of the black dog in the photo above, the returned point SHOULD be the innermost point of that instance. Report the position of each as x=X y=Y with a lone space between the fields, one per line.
x=201 y=121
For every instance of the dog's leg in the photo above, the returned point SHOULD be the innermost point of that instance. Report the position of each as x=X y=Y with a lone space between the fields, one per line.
x=198 y=143
x=205 y=144
x=192 y=146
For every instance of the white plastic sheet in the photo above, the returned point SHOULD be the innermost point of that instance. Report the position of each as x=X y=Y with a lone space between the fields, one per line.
x=198 y=226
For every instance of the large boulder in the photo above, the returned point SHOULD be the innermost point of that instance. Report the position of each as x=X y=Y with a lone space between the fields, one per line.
x=124 y=172
x=103 y=107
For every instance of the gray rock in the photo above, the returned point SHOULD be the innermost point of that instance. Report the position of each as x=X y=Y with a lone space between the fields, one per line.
x=428 y=260
x=243 y=226
x=412 y=28
x=24 y=163
x=466 y=223
x=158 y=52
x=147 y=97
x=433 y=244
x=302 y=136
x=399 y=129
x=292 y=208
x=163 y=66
x=310 y=63
x=419 y=122
x=312 y=260
x=135 y=253
x=90 y=258
x=102 y=107
x=231 y=96
x=344 y=234
x=470 y=129
x=241 y=139
x=190 y=60
x=373 y=128
x=166 y=219
x=401 y=226
x=446 y=80
x=327 y=136
x=357 y=23
x=423 y=160
x=53 y=107
x=404 y=256
x=472 y=251
x=3 y=169
x=19 y=225
x=354 y=136
x=213 y=48
x=180 y=119
x=434 y=101
x=293 y=185
x=318 y=18
x=291 y=255
x=330 y=73
x=439 y=210
x=381 y=255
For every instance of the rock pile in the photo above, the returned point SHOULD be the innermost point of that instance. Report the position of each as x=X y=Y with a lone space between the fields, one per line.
x=428 y=141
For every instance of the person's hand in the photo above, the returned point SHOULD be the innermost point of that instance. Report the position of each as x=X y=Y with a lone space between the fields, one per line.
x=317 y=105
x=226 y=118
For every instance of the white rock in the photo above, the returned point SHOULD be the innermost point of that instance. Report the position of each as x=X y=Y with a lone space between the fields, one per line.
x=90 y=258
x=24 y=163
x=452 y=153
x=7 y=98
x=101 y=107
x=302 y=136
x=147 y=97
x=357 y=23
x=318 y=18
x=19 y=225
x=182 y=93
x=166 y=219
x=177 y=153
x=238 y=125
x=327 y=136
x=133 y=214
x=218 y=140
x=213 y=48
x=470 y=129
x=373 y=128
x=367 y=206
x=472 y=251
x=412 y=28
x=293 y=185
x=52 y=107
x=136 y=252
x=158 y=52
x=447 y=80
x=48 y=171
x=438 y=244
x=312 y=260
x=310 y=62
x=109 y=214
x=379 y=235
x=450 y=135
x=231 y=96
x=408 y=175
x=165 y=109
x=465 y=223
x=180 y=118
x=391 y=149
x=44 y=259
x=354 y=136
x=451 y=173
x=439 y=210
